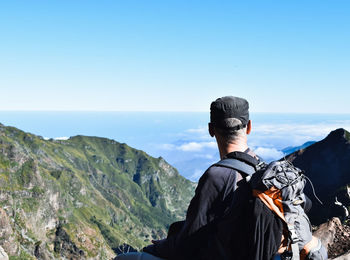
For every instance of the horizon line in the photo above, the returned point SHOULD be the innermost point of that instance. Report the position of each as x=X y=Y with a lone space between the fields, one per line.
x=171 y=111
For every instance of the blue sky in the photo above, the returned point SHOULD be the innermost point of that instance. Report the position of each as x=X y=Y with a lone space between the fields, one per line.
x=283 y=56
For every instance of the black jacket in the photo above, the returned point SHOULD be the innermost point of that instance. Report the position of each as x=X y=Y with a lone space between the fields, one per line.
x=223 y=222
x=212 y=198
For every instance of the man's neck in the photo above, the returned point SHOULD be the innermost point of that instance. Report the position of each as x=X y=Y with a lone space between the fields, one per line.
x=239 y=145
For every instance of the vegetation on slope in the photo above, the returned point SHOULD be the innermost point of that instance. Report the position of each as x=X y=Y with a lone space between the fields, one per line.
x=86 y=196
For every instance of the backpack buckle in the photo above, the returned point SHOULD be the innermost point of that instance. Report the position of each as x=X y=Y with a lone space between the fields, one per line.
x=293 y=235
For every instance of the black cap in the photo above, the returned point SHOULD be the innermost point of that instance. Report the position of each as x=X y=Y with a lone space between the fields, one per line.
x=229 y=107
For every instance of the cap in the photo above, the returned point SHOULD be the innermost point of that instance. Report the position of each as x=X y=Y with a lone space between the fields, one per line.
x=229 y=107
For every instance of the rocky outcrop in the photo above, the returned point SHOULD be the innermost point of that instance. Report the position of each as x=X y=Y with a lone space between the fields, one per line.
x=3 y=254
x=343 y=257
x=326 y=163
x=7 y=238
x=335 y=237
x=64 y=246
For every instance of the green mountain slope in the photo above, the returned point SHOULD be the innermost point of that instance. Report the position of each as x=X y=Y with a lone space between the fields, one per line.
x=83 y=197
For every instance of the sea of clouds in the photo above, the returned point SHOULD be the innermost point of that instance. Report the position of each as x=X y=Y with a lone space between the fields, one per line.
x=195 y=150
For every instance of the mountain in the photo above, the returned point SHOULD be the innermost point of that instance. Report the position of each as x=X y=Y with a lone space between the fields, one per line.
x=327 y=164
x=292 y=149
x=85 y=197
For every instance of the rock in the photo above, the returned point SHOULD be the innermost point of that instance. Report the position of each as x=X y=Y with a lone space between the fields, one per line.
x=336 y=238
x=343 y=257
x=3 y=255
x=65 y=246
x=40 y=252
x=7 y=241
x=124 y=248
x=326 y=232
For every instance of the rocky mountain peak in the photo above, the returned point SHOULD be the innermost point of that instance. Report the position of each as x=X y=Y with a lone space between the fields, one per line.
x=338 y=135
x=326 y=163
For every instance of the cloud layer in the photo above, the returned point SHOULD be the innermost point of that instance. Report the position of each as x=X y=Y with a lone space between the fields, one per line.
x=269 y=154
x=266 y=139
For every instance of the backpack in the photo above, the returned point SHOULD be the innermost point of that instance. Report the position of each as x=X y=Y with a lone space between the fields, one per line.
x=267 y=213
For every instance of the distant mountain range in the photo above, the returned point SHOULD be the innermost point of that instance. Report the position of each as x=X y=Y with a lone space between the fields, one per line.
x=327 y=164
x=292 y=149
x=85 y=197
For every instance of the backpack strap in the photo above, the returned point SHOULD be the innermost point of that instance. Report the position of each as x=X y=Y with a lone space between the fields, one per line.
x=237 y=165
x=246 y=157
x=241 y=162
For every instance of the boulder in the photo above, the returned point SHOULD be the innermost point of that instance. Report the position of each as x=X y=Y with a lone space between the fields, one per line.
x=343 y=257
x=336 y=238
x=3 y=255
x=326 y=232
x=7 y=238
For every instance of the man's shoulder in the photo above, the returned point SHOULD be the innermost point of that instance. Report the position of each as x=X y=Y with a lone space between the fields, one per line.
x=219 y=169
x=216 y=172
x=216 y=178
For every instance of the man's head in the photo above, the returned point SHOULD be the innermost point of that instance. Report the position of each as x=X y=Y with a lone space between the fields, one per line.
x=229 y=118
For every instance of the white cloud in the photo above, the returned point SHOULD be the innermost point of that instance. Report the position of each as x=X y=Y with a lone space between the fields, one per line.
x=61 y=138
x=282 y=135
x=205 y=156
x=278 y=135
x=196 y=146
x=311 y=130
x=189 y=146
x=200 y=130
x=198 y=134
x=168 y=147
x=57 y=138
x=269 y=154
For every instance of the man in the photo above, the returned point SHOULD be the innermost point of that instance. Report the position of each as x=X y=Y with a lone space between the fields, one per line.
x=230 y=125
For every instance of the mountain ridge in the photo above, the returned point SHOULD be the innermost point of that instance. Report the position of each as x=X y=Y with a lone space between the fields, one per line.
x=84 y=188
x=326 y=163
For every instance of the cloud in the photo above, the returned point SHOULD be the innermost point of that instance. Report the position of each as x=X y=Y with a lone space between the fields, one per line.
x=57 y=138
x=199 y=130
x=205 y=156
x=282 y=135
x=196 y=146
x=168 y=147
x=278 y=135
x=198 y=134
x=269 y=154
x=268 y=138
x=286 y=132
x=62 y=138
x=189 y=146
x=311 y=130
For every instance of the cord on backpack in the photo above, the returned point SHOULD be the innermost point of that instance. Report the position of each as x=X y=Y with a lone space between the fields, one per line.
x=313 y=190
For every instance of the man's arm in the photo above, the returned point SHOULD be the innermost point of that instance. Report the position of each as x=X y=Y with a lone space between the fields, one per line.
x=204 y=206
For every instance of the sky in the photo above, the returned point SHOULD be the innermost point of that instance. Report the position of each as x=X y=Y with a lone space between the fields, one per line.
x=283 y=56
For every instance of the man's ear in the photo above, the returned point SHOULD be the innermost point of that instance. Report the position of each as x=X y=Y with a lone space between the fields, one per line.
x=249 y=127
x=211 y=129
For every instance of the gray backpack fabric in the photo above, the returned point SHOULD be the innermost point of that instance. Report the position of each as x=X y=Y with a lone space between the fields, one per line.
x=280 y=186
